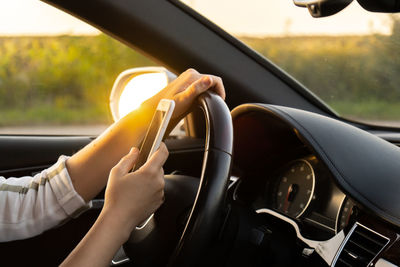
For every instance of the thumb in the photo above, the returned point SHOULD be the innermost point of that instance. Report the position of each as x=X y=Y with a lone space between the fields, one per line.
x=158 y=158
x=127 y=162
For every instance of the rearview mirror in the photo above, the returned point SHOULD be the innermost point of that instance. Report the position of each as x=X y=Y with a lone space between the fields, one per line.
x=388 y=6
x=323 y=8
x=136 y=85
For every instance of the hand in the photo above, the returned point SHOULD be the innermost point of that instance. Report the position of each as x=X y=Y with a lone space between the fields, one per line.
x=185 y=89
x=131 y=198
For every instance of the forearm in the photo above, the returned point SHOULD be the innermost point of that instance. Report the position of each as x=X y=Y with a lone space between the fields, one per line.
x=89 y=168
x=31 y=205
x=100 y=244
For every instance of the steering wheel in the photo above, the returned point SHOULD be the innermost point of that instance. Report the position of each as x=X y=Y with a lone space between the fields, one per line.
x=179 y=232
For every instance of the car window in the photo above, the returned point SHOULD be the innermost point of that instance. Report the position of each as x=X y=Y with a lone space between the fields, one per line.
x=56 y=72
x=349 y=60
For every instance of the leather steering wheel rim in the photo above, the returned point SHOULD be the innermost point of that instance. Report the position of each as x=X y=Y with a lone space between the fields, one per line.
x=207 y=214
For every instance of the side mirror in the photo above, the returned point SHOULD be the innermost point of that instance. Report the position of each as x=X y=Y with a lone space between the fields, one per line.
x=323 y=8
x=136 y=85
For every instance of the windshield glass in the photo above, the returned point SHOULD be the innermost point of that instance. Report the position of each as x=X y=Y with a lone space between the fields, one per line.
x=349 y=60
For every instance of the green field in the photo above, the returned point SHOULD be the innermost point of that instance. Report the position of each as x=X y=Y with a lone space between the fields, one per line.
x=373 y=110
x=62 y=79
x=67 y=79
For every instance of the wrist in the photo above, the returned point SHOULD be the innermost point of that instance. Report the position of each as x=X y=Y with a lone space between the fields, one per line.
x=121 y=226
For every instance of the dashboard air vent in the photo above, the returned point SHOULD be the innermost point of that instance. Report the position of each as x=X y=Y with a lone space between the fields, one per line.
x=360 y=247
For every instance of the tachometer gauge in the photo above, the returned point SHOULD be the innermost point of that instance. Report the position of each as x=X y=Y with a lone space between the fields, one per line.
x=346 y=210
x=295 y=188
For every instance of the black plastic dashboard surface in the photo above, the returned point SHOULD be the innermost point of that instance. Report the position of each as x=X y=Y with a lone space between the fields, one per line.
x=364 y=166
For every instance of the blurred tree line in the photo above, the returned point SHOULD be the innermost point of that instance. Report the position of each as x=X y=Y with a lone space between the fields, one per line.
x=61 y=79
x=67 y=79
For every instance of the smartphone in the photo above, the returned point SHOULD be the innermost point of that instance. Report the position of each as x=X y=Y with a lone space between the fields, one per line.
x=155 y=132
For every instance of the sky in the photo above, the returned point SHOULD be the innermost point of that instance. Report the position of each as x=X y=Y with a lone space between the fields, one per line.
x=282 y=17
x=32 y=17
x=240 y=17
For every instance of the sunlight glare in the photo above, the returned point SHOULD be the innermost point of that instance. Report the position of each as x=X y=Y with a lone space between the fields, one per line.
x=139 y=89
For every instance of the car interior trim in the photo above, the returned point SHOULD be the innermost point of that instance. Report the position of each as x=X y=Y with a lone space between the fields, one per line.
x=326 y=249
x=143 y=224
x=384 y=263
x=348 y=236
x=235 y=191
x=309 y=242
x=120 y=258
x=320 y=224
x=233 y=181
x=338 y=213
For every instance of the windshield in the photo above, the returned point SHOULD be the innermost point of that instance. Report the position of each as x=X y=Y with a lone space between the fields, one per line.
x=349 y=60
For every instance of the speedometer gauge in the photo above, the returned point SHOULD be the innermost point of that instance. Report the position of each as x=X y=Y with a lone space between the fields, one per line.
x=294 y=188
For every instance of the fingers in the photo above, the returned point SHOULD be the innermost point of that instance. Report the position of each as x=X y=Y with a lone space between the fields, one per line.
x=203 y=84
x=158 y=159
x=206 y=82
x=199 y=86
x=185 y=89
x=216 y=82
x=218 y=86
x=127 y=162
x=200 y=83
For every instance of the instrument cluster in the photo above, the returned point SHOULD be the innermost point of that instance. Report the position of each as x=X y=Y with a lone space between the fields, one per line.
x=303 y=191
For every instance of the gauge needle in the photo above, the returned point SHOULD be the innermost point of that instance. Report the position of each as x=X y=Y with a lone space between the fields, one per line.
x=287 y=202
x=348 y=216
x=292 y=190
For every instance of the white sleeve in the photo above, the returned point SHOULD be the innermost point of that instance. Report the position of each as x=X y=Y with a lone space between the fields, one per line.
x=31 y=205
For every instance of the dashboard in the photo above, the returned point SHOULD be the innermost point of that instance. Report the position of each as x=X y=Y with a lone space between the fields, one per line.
x=302 y=189
x=285 y=170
